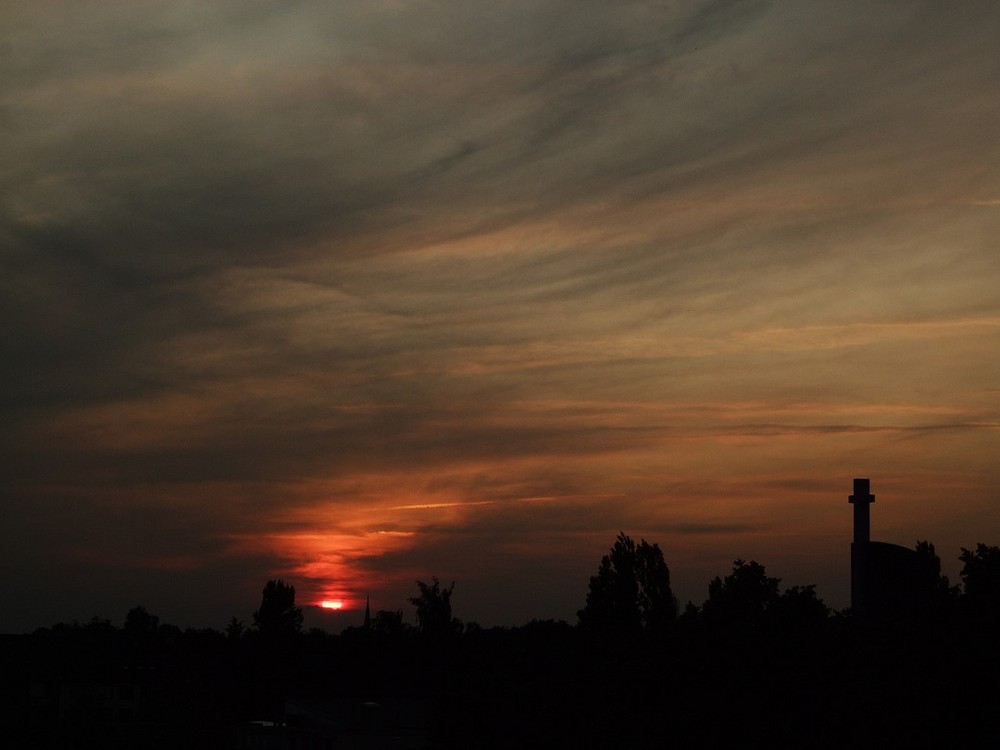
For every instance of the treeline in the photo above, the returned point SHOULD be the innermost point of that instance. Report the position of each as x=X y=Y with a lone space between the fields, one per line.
x=755 y=664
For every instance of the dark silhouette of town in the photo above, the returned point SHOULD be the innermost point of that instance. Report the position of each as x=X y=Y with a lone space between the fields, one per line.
x=912 y=663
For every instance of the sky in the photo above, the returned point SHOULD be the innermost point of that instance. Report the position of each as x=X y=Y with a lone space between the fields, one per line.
x=360 y=293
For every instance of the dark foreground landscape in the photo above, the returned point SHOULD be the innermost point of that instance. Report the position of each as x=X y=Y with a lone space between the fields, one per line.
x=754 y=666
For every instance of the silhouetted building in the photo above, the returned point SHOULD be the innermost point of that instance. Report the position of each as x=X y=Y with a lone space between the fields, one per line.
x=887 y=580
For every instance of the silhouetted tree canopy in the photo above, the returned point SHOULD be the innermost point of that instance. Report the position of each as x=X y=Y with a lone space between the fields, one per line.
x=433 y=607
x=981 y=578
x=278 y=616
x=631 y=591
x=742 y=597
x=388 y=622
x=799 y=606
x=235 y=629
x=748 y=596
x=936 y=589
x=139 y=622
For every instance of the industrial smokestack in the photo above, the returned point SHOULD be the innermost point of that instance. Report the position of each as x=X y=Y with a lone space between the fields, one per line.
x=861 y=566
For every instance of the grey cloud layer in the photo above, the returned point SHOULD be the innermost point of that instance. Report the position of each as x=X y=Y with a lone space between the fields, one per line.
x=255 y=241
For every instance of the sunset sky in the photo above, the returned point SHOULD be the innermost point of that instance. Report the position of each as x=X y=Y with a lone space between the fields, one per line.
x=356 y=293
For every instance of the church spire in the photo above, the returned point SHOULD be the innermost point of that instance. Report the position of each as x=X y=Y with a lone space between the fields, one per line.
x=368 y=612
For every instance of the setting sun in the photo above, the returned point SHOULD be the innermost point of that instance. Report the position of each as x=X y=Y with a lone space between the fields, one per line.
x=332 y=604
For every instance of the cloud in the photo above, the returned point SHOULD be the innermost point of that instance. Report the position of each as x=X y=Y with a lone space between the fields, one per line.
x=299 y=264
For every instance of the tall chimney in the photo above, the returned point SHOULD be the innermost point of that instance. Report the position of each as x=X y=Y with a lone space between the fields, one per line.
x=861 y=573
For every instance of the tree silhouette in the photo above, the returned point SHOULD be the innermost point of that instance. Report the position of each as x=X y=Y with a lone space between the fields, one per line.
x=235 y=629
x=631 y=591
x=935 y=589
x=798 y=607
x=433 y=607
x=742 y=597
x=278 y=616
x=388 y=622
x=139 y=623
x=981 y=578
